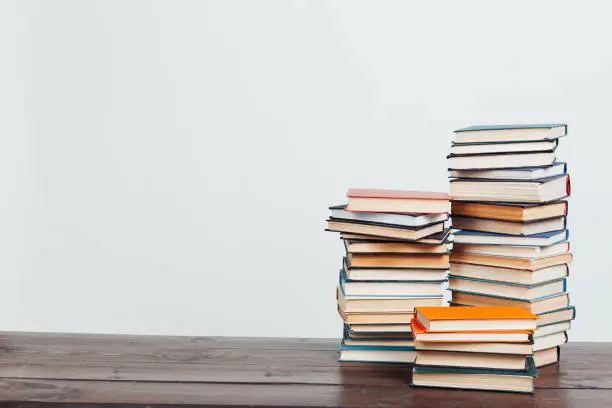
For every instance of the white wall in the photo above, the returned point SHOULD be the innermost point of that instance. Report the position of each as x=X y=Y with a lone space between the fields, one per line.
x=167 y=166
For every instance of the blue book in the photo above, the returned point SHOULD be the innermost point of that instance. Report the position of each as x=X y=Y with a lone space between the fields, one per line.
x=520 y=174
x=510 y=133
x=491 y=238
x=563 y=314
x=476 y=378
x=345 y=346
x=507 y=290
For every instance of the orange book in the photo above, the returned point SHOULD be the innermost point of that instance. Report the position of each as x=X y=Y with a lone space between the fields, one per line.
x=397 y=201
x=420 y=334
x=475 y=319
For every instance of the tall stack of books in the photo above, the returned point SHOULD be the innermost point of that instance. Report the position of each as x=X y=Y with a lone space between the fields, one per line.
x=397 y=257
x=508 y=201
x=481 y=348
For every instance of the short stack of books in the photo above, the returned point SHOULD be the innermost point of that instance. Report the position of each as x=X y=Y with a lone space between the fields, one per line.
x=508 y=202
x=397 y=258
x=481 y=348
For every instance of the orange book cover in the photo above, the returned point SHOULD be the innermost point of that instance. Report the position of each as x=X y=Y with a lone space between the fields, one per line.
x=405 y=194
x=474 y=313
x=418 y=329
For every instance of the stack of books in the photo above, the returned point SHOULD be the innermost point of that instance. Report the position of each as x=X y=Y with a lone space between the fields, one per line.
x=508 y=202
x=397 y=258
x=481 y=348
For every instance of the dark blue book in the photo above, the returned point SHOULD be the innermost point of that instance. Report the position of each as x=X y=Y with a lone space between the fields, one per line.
x=476 y=378
x=507 y=290
x=510 y=133
x=491 y=238
x=519 y=174
x=550 y=317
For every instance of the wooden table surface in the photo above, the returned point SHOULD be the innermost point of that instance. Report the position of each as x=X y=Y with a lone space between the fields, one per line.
x=71 y=370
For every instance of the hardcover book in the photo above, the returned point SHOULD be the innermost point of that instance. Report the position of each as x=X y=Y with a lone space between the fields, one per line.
x=511 y=191
x=510 y=133
x=523 y=173
x=507 y=290
x=491 y=238
x=397 y=201
x=476 y=378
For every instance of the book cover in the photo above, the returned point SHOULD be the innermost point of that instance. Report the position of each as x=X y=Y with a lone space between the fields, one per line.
x=529 y=371
x=474 y=313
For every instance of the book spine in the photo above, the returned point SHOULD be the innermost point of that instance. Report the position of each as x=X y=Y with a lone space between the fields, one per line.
x=568 y=186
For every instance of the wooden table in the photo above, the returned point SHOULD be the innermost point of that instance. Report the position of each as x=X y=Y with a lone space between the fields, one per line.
x=70 y=370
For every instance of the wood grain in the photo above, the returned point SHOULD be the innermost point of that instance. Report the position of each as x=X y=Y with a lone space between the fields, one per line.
x=79 y=369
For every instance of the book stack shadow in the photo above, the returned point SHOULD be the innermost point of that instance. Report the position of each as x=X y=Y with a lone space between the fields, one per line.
x=509 y=206
x=396 y=258
x=481 y=348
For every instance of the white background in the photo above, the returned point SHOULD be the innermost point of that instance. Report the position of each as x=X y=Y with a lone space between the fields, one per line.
x=166 y=167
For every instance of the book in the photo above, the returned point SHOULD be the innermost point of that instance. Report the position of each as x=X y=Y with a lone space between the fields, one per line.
x=508 y=227
x=389 y=288
x=509 y=212
x=511 y=191
x=533 y=252
x=506 y=290
x=393 y=247
x=381 y=329
x=494 y=361
x=475 y=378
x=454 y=319
x=549 y=341
x=409 y=220
x=349 y=333
x=354 y=273
x=509 y=275
x=552 y=328
x=488 y=148
x=383 y=230
x=531 y=264
x=467 y=347
x=538 y=306
x=547 y=356
x=375 y=354
x=438 y=238
x=397 y=201
x=524 y=173
x=375 y=318
x=376 y=342
x=421 y=334
x=510 y=133
x=491 y=238
x=373 y=304
x=500 y=161
x=555 y=316
x=400 y=340
x=423 y=261
x=395 y=274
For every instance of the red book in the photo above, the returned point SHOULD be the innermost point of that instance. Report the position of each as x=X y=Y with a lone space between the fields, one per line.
x=397 y=201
